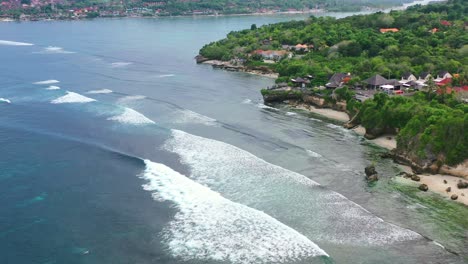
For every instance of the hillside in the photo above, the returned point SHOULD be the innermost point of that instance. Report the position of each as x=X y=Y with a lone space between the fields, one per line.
x=73 y=9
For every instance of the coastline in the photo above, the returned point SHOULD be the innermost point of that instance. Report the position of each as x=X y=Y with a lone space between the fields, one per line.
x=269 y=13
x=384 y=141
x=435 y=182
x=228 y=66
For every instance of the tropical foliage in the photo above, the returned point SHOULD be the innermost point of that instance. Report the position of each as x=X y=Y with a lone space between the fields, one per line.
x=355 y=44
x=430 y=126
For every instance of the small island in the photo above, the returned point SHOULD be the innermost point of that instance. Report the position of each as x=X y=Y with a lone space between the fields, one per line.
x=402 y=75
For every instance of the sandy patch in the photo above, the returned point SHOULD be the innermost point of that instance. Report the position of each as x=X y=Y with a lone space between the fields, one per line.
x=330 y=113
x=436 y=184
x=385 y=141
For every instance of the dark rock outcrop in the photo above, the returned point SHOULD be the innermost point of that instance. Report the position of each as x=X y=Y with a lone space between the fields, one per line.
x=405 y=174
x=448 y=189
x=423 y=187
x=372 y=178
x=200 y=59
x=454 y=197
x=415 y=177
x=462 y=185
x=371 y=174
x=370 y=170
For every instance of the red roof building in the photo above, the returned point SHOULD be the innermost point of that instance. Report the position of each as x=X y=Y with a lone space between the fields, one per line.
x=445 y=81
x=445 y=23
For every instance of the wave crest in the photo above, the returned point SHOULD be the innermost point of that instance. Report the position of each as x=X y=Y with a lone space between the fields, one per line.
x=187 y=116
x=102 y=91
x=130 y=116
x=47 y=82
x=14 y=43
x=211 y=227
x=5 y=100
x=72 y=97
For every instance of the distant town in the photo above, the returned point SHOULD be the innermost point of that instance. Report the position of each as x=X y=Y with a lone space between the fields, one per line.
x=32 y=10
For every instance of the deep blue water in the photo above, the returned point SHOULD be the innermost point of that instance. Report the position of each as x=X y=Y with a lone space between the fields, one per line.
x=181 y=163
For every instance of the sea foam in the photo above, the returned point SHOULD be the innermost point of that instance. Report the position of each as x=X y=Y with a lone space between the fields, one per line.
x=54 y=50
x=5 y=100
x=262 y=106
x=166 y=75
x=318 y=213
x=102 y=91
x=188 y=116
x=14 y=43
x=72 y=97
x=120 y=64
x=47 y=82
x=313 y=154
x=130 y=116
x=211 y=227
x=131 y=98
x=53 y=87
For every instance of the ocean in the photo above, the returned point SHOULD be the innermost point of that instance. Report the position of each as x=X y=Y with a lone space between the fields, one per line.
x=116 y=147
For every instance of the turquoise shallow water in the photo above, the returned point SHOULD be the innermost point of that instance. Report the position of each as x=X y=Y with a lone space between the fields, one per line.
x=142 y=156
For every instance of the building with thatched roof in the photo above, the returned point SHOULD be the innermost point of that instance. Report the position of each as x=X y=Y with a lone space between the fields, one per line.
x=375 y=81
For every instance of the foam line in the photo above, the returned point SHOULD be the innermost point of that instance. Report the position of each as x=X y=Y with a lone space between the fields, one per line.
x=72 y=97
x=102 y=91
x=318 y=213
x=211 y=227
x=5 y=100
x=47 y=82
x=188 y=116
x=130 y=116
x=53 y=87
x=14 y=43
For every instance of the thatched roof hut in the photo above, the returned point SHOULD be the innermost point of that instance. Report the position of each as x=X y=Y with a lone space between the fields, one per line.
x=376 y=81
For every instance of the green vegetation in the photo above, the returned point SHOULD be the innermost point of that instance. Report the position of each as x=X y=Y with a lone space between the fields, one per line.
x=431 y=127
x=242 y=6
x=182 y=7
x=355 y=44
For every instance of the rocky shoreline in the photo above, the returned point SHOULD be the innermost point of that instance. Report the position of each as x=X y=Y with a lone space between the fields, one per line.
x=433 y=177
x=228 y=66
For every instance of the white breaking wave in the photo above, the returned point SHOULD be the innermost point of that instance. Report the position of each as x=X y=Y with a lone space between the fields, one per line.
x=224 y=156
x=315 y=119
x=102 y=91
x=262 y=106
x=186 y=116
x=54 y=50
x=334 y=126
x=131 y=98
x=211 y=227
x=120 y=64
x=292 y=198
x=72 y=97
x=130 y=116
x=313 y=154
x=291 y=113
x=246 y=101
x=14 y=43
x=47 y=82
x=166 y=75
x=5 y=100
x=53 y=87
